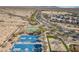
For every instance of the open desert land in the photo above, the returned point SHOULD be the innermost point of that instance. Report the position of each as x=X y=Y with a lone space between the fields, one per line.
x=9 y=24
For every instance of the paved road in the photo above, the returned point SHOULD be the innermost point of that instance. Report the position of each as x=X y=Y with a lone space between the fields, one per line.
x=42 y=20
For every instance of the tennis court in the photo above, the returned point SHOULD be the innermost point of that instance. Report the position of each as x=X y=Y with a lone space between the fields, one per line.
x=31 y=47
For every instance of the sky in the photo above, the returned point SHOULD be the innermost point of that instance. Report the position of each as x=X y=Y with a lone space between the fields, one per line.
x=69 y=6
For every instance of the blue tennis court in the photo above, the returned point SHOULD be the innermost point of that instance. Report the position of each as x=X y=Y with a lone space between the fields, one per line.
x=28 y=38
x=27 y=48
x=22 y=47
